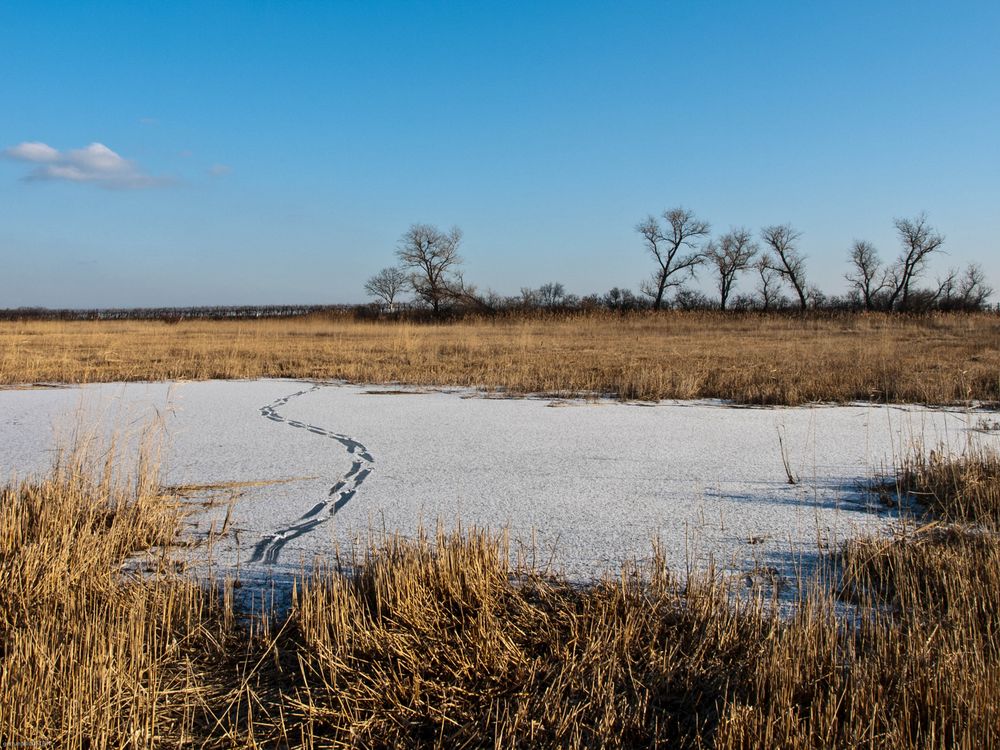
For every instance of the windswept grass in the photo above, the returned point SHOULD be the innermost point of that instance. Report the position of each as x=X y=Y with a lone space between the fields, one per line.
x=759 y=359
x=439 y=642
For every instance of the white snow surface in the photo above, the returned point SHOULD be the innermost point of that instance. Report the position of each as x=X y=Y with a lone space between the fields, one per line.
x=585 y=485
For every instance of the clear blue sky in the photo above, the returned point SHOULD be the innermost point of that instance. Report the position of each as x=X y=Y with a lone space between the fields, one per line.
x=274 y=152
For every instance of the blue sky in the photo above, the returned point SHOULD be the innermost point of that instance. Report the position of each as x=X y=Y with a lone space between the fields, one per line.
x=274 y=152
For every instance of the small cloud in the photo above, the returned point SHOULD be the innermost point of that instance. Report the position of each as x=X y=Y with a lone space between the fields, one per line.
x=148 y=121
x=96 y=164
x=185 y=153
x=32 y=151
x=219 y=170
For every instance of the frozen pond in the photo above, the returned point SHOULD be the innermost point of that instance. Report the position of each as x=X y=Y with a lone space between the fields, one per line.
x=585 y=484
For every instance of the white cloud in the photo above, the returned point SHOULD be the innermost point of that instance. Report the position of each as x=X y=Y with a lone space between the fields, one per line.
x=219 y=170
x=96 y=164
x=32 y=151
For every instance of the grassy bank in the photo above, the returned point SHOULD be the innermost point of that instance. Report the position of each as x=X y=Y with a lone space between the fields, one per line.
x=758 y=359
x=439 y=643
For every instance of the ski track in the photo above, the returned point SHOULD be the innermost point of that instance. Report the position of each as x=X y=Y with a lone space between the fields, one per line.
x=268 y=549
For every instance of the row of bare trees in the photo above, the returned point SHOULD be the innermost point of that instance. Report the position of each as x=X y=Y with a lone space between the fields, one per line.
x=672 y=245
x=681 y=244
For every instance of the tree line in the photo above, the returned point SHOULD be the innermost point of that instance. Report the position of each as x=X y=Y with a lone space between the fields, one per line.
x=681 y=245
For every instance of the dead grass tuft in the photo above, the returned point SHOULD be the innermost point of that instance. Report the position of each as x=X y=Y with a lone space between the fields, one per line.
x=955 y=489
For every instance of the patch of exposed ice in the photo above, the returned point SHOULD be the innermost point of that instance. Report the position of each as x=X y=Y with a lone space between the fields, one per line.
x=585 y=488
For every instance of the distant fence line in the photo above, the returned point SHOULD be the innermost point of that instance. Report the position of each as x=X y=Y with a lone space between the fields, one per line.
x=171 y=314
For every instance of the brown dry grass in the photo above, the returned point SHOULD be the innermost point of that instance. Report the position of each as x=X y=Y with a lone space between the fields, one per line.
x=962 y=489
x=750 y=359
x=438 y=642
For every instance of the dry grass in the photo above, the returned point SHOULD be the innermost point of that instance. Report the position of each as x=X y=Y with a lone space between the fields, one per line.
x=432 y=645
x=439 y=642
x=933 y=640
x=962 y=489
x=750 y=359
x=90 y=654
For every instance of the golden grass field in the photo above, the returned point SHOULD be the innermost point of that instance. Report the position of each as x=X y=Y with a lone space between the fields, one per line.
x=439 y=643
x=758 y=359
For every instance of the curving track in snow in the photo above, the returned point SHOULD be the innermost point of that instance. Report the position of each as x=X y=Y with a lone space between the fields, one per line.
x=268 y=549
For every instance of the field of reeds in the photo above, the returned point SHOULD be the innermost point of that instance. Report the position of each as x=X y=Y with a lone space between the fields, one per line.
x=751 y=358
x=440 y=642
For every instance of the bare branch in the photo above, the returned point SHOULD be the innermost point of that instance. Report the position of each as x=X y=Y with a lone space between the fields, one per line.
x=945 y=291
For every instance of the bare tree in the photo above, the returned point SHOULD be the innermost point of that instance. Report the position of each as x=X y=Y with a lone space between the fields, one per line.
x=529 y=297
x=665 y=244
x=919 y=240
x=944 y=295
x=386 y=284
x=622 y=299
x=816 y=297
x=965 y=291
x=973 y=291
x=769 y=285
x=734 y=252
x=431 y=257
x=786 y=259
x=551 y=294
x=492 y=300
x=867 y=278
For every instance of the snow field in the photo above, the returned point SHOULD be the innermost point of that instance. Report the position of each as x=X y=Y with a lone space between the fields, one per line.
x=587 y=485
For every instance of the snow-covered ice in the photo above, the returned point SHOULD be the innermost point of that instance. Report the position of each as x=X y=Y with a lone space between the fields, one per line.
x=587 y=484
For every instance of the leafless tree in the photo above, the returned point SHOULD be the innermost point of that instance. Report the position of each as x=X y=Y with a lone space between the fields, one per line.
x=944 y=294
x=965 y=291
x=973 y=291
x=665 y=244
x=867 y=277
x=492 y=300
x=431 y=257
x=786 y=258
x=622 y=299
x=956 y=290
x=734 y=252
x=529 y=297
x=769 y=286
x=919 y=240
x=551 y=294
x=386 y=285
x=816 y=297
